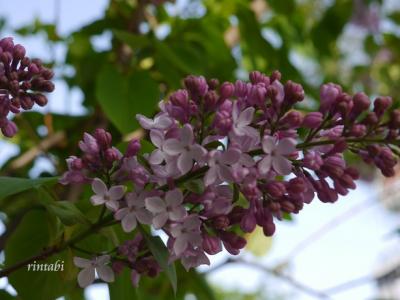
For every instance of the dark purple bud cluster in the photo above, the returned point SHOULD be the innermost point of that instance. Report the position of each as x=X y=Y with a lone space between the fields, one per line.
x=23 y=83
x=220 y=159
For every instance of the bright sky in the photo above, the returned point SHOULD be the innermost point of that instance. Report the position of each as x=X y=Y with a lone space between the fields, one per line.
x=351 y=250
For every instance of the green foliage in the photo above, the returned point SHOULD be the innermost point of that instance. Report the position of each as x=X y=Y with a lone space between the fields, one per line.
x=123 y=96
x=11 y=185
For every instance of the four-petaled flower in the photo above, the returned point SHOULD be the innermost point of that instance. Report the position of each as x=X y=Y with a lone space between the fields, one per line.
x=90 y=266
x=275 y=155
x=161 y=121
x=134 y=212
x=186 y=233
x=242 y=120
x=219 y=166
x=185 y=149
x=106 y=196
x=170 y=209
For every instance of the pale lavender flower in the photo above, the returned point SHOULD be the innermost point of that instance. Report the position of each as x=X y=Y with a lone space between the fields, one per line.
x=90 y=267
x=160 y=121
x=89 y=144
x=185 y=148
x=134 y=212
x=186 y=233
x=242 y=120
x=106 y=196
x=219 y=163
x=192 y=258
x=169 y=209
x=276 y=152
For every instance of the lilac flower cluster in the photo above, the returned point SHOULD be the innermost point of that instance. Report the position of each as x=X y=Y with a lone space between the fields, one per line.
x=22 y=83
x=229 y=157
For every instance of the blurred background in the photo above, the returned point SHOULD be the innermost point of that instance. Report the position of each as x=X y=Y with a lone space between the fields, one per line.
x=116 y=58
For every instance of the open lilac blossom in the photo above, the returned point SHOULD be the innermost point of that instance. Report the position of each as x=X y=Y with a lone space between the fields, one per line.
x=186 y=234
x=169 y=209
x=276 y=153
x=185 y=149
x=91 y=266
x=106 y=196
x=134 y=212
x=219 y=156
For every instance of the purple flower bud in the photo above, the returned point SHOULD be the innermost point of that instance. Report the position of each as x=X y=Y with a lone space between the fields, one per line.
x=197 y=86
x=361 y=103
x=89 y=144
x=292 y=119
x=236 y=215
x=211 y=244
x=381 y=104
x=213 y=83
x=227 y=90
x=328 y=94
x=269 y=228
x=395 y=119
x=19 y=52
x=276 y=75
x=294 y=92
x=118 y=266
x=296 y=186
x=103 y=138
x=248 y=223
x=133 y=148
x=312 y=160
x=232 y=242
x=371 y=119
x=221 y=222
x=276 y=189
x=180 y=98
x=258 y=77
x=358 y=130
x=10 y=129
x=210 y=101
x=313 y=120
x=112 y=154
x=7 y=44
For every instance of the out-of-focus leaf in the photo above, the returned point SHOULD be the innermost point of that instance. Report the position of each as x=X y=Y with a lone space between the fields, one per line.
x=133 y=40
x=195 y=186
x=161 y=254
x=122 y=287
x=122 y=97
x=30 y=238
x=67 y=212
x=257 y=243
x=13 y=185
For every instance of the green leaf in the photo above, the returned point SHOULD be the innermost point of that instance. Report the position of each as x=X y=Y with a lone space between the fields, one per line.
x=13 y=185
x=30 y=238
x=133 y=40
x=195 y=186
x=122 y=287
x=124 y=96
x=161 y=254
x=67 y=212
x=6 y=296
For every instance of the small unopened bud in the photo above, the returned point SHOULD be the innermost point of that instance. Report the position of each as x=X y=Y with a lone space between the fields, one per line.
x=133 y=148
x=10 y=129
x=313 y=120
x=211 y=244
x=227 y=90
x=103 y=138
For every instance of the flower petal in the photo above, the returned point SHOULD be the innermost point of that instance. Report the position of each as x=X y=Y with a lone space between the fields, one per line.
x=144 y=216
x=187 y=135
x=157 y=138
x=172 y=147
x=180 y=245
x=156 y=157
x=211 y=176
x=145 y=122
x=97 y=200
x=174 y=197
x=185 y=162
x=86 y=277
x=225 y=173
x=268 y=144
x=155 y=204
x=121 y=213
x=286 y=146
x=246 y=116
x=230 y=156
x=103 y=259
x=99 y=187
x=82 y=262
x=282 y=165
x=162 y=122
x=116 y=192
x=264 y=165
x=105 y=273
x=129 y=222
x=178 y=213
x=160 y=220
x=112 y=205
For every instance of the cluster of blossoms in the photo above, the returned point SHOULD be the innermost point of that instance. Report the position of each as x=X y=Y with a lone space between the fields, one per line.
x=227 y=158
x=22 y=83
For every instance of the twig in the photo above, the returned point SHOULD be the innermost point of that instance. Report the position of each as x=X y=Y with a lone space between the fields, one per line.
x=288 y=279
